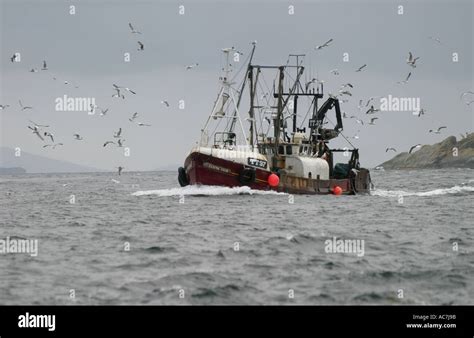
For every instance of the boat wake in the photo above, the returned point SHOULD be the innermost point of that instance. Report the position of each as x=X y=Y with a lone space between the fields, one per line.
x=205 y=191
x=457 y=189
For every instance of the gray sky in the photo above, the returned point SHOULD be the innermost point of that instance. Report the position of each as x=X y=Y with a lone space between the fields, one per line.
x=87 y=49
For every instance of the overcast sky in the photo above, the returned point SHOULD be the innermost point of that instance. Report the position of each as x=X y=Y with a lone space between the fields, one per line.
x=86 y=49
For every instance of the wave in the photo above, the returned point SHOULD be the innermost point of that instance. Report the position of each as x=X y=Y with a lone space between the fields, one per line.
x=191 y=190
x=443 y=191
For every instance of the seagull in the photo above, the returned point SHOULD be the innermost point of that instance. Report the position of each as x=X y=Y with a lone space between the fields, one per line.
x=411 y=61
x=358 y=120
x=344 y=116
x=355 y=137
x=36 y=132
x=54 y=145
x=24 y=107
x=435 y=39
x=108 y=142
x=118 y=133
x=78 y=137
x=372 y=110
x=141 y=46
x=34 y=70
x=126 y=88
x=45 y=66
x=192 y=66
x=347 y=85
x=13 y=58
x=392 y=149
x=93 y=107
x=372 y=120
x=345 y=92
x=134 y=31
x=419 y=112
x=120 y=168
x=368 y=101
x=135 y=115
x=438 y=131
x=120 y=143
x=406 y=80
x=4 y=106
x=103 y=112
x=335 y=71
x=48 y=134
x=361 y=67
x=416 y=146
x=118 y=94
x=143 y=124
x=38 y=125
x=165 y=103
x=326 y=44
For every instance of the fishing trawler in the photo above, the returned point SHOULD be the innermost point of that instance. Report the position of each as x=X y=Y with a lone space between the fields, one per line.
x=274 y=152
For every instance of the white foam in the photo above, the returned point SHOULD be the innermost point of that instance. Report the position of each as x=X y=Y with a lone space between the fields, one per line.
x=205 y=191
x=396 y=193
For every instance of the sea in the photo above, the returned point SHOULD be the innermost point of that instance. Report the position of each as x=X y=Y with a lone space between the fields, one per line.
x=139 y=238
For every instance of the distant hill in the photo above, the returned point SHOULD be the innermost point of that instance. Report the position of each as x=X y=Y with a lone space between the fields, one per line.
x=12 y=171
x=38 y=164
x=439 y=155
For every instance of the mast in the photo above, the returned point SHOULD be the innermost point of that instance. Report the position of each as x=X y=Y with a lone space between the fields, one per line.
x=234 y=117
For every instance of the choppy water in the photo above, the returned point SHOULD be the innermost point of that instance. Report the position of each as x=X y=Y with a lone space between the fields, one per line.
x=190 y=245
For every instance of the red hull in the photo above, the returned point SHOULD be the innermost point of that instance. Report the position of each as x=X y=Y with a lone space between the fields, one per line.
x=208 y=170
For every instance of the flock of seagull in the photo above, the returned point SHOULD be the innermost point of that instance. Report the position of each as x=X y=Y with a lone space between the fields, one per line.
x=466 y=97
x=42 y=132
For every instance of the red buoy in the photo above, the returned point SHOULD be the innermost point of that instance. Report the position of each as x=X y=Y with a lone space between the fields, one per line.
x=337 y=190
x=273 y=180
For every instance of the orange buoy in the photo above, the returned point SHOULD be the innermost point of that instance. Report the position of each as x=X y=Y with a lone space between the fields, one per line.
x=273 y=180
x=337 y=190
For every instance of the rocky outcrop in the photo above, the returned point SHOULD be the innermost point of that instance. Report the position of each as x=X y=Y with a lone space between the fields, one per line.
x=450 y=153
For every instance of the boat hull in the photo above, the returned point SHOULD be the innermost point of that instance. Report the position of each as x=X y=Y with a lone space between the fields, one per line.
x=203 y=169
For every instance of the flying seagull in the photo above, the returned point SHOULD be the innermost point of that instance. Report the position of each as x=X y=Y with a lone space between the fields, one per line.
x=419 y=112
x=13 y=58
x=126 y=88
x=416 y=146
x=326 y=44
x=411 y=60
x=392 y=149
x=438 y=131
x=45 y=66
x=361 y=67
x=36 y=132
x=141 y=46
x=38 y=125
x=120 y=143
x=345 y=92
x=347 y=85
x=134 y=31
x=372 y=110
x=406 y=80
x=120 y=168
x=143 y=124
x=372 y=120
x=135 y=115
x=435 y=39
x=4 y=106
x=117 y=94
x=192 y=66
x=103 y=112
x=78 y=137
x=118 y=133
x=33 y=70
x=108 y=142
x=335 y=71
x=48 y=134
x=165 y=103
x=24 y=107
x=54 y=145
